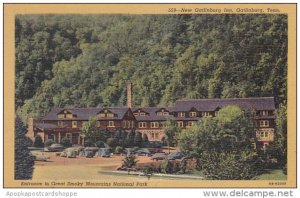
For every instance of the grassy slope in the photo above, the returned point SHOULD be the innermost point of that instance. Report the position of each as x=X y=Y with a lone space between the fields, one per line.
x=272 y=175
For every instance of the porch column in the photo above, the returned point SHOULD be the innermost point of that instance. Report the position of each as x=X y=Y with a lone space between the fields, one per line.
x=59 y=137
x=46 y=137
x=78 y=139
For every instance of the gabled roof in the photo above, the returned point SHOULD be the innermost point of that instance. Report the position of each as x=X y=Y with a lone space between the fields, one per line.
x=86 y=113
x=261 y=103
x=152 y=111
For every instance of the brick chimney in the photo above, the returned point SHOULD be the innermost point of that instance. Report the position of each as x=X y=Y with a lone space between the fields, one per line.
x=129 y=93
x=30 y=132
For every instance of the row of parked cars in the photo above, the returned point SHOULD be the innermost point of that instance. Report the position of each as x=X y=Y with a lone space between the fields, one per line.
x=89 y=152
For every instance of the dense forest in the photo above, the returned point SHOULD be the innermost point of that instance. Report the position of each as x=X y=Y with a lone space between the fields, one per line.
x=84 y=60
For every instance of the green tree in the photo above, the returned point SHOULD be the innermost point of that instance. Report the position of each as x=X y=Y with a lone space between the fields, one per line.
x=23 y=159
x=65 y=142
x=227 y=136
x=281 y=133
x=171 y=130
x=90 y=131
x=229 y=165
x=38 y=141
x=129 y=161
x=138 y=140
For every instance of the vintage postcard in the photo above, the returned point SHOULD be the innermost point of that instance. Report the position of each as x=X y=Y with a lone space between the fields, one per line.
x=149 y=95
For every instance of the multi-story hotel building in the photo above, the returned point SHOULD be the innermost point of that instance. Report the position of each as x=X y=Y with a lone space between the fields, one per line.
x=66 y=122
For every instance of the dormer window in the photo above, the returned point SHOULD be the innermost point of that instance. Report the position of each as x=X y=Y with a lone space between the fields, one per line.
x=142 y=114
x=110 y=115
x=69 y=115
x=181 y=114
x=102 y=115
x=264 y=113
x=60 y=116
x=193 y=114
x=159 y=113
x=166 y=113
x=205 y=114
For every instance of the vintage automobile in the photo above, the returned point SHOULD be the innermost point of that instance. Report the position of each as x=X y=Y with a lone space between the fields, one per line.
x=104 y=152
x=90 y=152
x=54 y=148
x=175 y=156
x=39 y=156
x=143 y=152
x=159 y=156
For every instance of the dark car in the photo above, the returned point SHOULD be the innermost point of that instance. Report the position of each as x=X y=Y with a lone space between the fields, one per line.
x=54 y=148
x=143 y=152
x=90 y=151
x=159 y=156
x=175 y=156
x=104 y=152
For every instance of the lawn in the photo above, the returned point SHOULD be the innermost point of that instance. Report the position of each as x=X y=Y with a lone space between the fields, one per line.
x=272 y=175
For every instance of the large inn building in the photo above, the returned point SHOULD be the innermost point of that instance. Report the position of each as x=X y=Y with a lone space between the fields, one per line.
x=67 y=122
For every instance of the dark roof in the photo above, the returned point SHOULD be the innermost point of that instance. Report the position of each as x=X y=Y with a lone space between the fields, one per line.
x=44 y=126
x=86 y=113
x=152 y=114
x=262 y=103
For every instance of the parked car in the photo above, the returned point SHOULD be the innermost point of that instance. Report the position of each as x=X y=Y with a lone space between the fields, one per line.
x=71 y=152
x=159 y=156
x=39 y=156
x=104 y=152
x=90 y=151
x=54 y=148
x=176 y=155
x=89 y=154
x=143 y=152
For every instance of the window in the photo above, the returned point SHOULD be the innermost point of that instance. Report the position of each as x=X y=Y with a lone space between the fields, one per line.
x=98 y=123
x=152 y=135
x=74 y=124
x=165 y=113
x=128 y=124
x=60 y=123
x=142 y=124
x=69 y=115
x=190 y=123
x=110 y=115
x=264 y=113
x=216 y=113
x=69 y=136
x=102 y=115
x=61 y=116
x=159 y=113
x=124 y=123
x=142 y=114
x=136 y=114
x=181 y=114
x=264 y=123
x=180 y=124
x=264 y=134
x=154 y=124
x=205 y=114
x=193 y=114
x=111 y=123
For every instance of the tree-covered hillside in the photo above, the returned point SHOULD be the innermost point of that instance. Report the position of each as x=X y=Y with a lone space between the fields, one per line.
x=84 y=60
